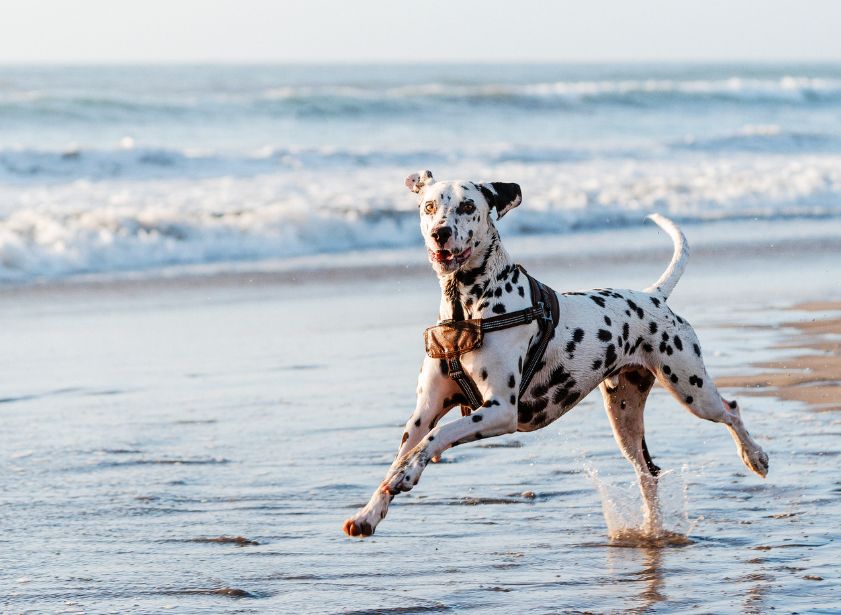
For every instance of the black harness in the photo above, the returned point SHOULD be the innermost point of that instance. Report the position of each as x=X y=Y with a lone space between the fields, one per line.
x=450 y=339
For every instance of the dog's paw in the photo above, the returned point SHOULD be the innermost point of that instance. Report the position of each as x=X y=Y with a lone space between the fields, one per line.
x=756 y=460
x=356 y=527
x=406 y=476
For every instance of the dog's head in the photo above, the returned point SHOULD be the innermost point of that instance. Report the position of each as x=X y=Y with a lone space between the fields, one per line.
x=455 y=216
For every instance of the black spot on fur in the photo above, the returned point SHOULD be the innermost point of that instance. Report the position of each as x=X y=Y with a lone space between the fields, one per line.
x=678 y=343
x=477 y=418
x=511 y=381
x=674 y=378
x=647 y=348
x=648 y=461
x=578 y=335
x=513 y=399
x=655 y=301
x=498 y=309
x=484 y=374
x=633 y=377
x=490 y=402
x=456 y=400
x=665 y=336
x=571 y=398
x=732 y=405
x=417 y=423
x=607 y=321
x=610 y=356
x=697 y=349
x=667 y=370
x=597 y=300
x=570 y=347
x=508 y=287
x=626 y=330
x=597 y=364
x=527 y=410
x=605 y=335
x=520 y=364
x=652 y=326
x=521 y=291
x=689 y=399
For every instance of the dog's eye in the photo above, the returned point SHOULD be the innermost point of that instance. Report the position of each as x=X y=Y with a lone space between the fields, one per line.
x=429 y=208
x=466 y=208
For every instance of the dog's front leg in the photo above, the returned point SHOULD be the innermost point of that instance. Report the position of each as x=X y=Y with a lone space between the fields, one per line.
x=437 y=394
x=497 y=416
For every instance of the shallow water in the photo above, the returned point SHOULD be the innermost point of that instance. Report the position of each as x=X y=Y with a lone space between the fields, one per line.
x=197 y=449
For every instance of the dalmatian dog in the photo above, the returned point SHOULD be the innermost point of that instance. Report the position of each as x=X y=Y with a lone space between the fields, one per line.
x=620 y=341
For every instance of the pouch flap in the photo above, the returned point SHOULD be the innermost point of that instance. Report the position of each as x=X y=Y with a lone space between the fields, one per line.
x=452 y=339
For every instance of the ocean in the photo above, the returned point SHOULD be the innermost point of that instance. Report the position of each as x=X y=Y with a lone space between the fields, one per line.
x=123 y=169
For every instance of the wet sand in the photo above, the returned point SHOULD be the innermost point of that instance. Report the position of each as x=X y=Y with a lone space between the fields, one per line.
x=813 y=375
x=195 y=446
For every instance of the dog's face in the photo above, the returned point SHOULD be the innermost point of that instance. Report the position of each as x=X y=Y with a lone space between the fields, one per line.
x=455 y=216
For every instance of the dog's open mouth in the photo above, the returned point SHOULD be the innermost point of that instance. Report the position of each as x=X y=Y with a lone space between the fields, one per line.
x=449 y=258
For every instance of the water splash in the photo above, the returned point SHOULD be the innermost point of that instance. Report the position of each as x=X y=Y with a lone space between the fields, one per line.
x=624 y=514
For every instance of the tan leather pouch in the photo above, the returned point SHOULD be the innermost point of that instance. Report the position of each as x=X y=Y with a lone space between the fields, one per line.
x=452 y=339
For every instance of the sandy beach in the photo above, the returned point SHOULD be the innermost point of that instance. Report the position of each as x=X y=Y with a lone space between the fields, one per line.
x=814 y=377
x=192 y=443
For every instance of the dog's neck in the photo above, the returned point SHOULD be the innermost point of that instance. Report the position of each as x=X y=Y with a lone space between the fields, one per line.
x=466 y=293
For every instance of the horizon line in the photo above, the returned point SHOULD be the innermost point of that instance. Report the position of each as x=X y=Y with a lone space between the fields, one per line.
x=381 y=62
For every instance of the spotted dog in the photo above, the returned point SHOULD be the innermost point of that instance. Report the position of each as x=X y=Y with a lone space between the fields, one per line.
x=620 y=341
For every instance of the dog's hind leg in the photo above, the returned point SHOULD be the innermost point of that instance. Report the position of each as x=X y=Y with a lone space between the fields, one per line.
x=624 y=400
x=436 y=395
x=685 y=377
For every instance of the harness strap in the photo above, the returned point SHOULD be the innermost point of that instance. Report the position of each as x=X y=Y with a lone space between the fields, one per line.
x=465 y=382
x=544 y=308
x=549 y=301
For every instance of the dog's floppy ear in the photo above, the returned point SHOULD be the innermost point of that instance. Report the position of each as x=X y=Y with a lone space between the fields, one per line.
x=416 y=181
x=502 y=196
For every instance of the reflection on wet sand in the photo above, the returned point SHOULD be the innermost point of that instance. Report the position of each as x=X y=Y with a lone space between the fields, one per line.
x=646 y=576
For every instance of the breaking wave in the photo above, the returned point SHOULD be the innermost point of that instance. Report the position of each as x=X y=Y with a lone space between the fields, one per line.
x=118 y=225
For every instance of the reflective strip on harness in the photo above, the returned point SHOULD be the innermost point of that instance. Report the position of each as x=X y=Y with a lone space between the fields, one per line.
x=452 y=338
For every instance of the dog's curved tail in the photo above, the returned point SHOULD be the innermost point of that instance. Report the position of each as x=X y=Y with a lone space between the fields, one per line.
x=667 y=282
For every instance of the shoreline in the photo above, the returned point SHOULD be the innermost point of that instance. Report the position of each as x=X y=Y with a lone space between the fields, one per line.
x=813 y=375
x=712 y=244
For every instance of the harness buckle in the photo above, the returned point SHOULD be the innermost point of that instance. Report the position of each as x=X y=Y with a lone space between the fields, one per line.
x=456 y=374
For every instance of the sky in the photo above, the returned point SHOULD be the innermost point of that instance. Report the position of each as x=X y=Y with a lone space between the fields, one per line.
x=327 y=31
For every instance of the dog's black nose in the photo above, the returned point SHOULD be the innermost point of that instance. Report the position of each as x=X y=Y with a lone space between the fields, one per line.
x=442 y=234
